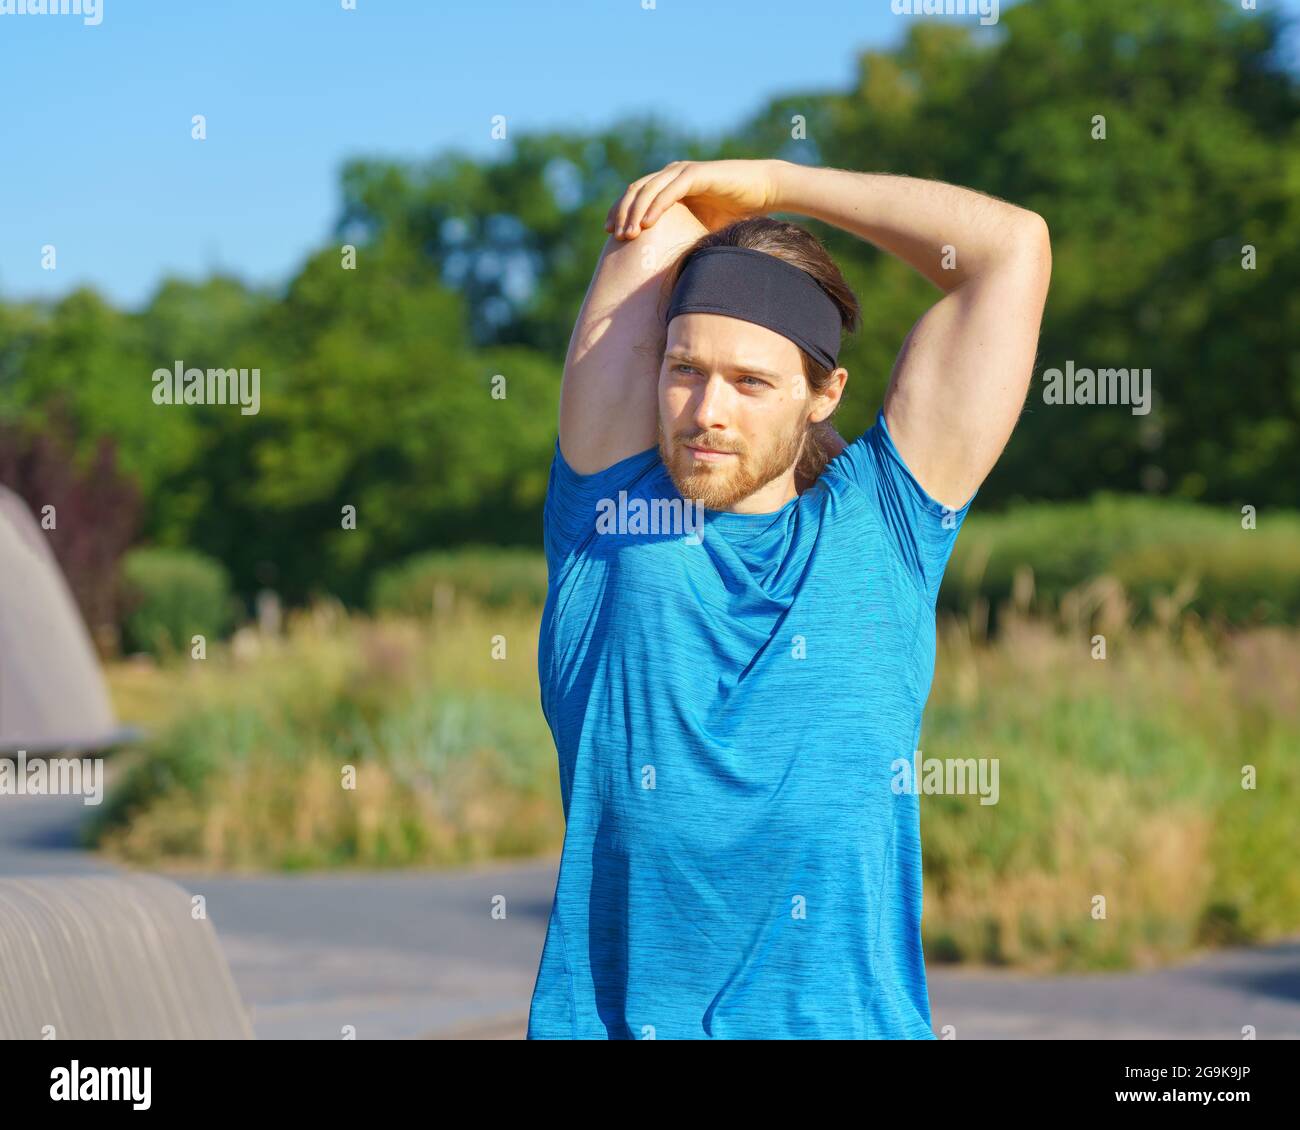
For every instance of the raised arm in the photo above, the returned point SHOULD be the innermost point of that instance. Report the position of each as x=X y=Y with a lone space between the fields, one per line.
x=960 y=379
x=609 y=398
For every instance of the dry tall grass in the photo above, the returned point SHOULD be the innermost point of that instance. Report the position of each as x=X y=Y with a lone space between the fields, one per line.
x=1121 y=779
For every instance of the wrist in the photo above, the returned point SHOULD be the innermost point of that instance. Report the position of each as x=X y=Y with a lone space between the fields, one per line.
x=781 y=174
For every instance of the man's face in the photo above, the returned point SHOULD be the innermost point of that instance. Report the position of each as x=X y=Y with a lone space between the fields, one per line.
x=733 y=407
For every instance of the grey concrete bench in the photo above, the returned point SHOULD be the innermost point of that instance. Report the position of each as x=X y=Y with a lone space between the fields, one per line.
x=111 y=958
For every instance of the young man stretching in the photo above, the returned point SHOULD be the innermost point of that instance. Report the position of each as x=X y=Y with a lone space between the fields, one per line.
x=738 y=639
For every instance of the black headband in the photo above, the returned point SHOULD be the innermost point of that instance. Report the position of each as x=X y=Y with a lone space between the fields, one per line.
x=757 y=287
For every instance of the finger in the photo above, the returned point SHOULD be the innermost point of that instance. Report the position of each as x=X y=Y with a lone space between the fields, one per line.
x=624 y=203
x=620 y=219
x=611 y=217
x=669 y=194
x=657 y=190
x=619 y=206
x=623 y=209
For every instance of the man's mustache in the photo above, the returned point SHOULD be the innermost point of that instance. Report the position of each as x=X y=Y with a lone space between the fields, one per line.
x=705 y=445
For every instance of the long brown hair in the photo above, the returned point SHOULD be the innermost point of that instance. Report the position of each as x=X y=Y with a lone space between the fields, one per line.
x=804 y=250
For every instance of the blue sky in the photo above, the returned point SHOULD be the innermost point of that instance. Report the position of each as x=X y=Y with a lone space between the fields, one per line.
x=95 y=121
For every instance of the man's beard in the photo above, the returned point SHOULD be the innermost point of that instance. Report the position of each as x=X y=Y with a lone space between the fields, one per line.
x=719 y=486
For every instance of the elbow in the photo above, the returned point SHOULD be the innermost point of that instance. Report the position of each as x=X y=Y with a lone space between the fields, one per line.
x=1034 y=239
x=1026 y=249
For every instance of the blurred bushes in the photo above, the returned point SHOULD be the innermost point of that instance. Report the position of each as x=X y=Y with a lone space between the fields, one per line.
x=483 y=576
x=1164 y=558
x=87 y=506
x=1158 y=551
x=171 y=595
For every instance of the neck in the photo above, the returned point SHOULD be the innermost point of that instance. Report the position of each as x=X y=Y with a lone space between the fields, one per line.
x=770 y=498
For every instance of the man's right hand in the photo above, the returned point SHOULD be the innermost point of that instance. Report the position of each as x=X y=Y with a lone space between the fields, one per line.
x=716 y=192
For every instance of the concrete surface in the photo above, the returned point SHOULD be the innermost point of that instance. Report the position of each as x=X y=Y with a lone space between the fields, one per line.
x=418 y=955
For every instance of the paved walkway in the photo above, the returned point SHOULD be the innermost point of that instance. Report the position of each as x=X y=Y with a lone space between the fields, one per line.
x=419 y=955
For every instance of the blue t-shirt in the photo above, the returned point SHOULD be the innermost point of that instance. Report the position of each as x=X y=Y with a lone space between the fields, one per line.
x=728 y=702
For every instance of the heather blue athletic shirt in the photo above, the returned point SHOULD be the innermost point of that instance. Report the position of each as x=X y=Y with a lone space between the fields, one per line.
x=737 y=863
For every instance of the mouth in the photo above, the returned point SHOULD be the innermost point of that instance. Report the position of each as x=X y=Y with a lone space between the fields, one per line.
x=708 y=455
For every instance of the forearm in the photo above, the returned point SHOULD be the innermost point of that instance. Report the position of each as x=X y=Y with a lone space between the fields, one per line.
x=948 y=234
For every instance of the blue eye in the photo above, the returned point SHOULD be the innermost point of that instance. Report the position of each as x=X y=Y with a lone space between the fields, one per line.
x=683 y=367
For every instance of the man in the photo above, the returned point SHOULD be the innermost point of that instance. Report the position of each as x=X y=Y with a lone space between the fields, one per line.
x=738 y=639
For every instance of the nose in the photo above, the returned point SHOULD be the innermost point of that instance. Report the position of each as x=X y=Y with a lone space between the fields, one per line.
x=711 y=409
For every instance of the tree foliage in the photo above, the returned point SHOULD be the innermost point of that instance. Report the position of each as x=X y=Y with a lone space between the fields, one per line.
x=381 y=386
